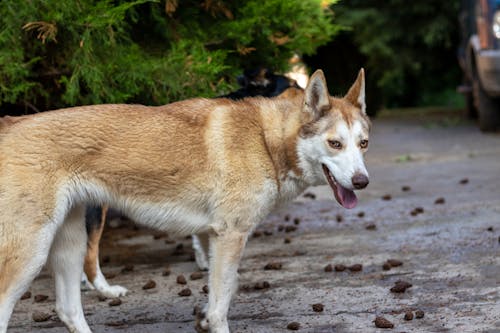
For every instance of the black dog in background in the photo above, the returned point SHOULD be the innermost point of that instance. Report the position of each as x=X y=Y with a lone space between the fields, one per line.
x=255 y=82
x=261 y=82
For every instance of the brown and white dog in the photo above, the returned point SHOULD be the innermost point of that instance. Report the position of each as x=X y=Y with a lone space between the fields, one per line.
x=197 y=166
x=256 y=82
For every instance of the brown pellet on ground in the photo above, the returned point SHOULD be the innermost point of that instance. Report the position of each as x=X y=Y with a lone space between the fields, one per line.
x=400 y=286
x=257 y=234
x=340 y=268
x=318 y=307
x=339 y=218
x=371 y=226
x=296 y=221
x=293 y=326
x=386 y=266
x=149 y=285
x=40 y=298
x=387 y=197
x=262 y=285
x=290 y=228
x=287 y=217
x=115 y=302
x=309 y=195
x=205 y=289
x=181 y=279
x=490 y=229
x=185 y=292
x=408 y=315
x=328 y=268
x=464 y=181
x=128 y=268
x=268 y=233
x=405 y=188
x=361 y=214
x=166 y=272
x=273 y=266
x=419 y=210
x=419 y=314
x=109 y=276
x=196 y=276
x=102 y=298
x=381 y=322
x=355 y=268
x=40 y=316
x=394 y=262
x=26 y=295
x=281 y=227
x=287 y=240
x=439 y=201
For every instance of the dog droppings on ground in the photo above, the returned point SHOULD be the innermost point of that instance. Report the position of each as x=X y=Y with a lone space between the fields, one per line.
x=290 y=228
x=40 y=298
x=273 y=266
x=318 y=307
x=293 y=326
x=340 y=268
x=166 y=272
x=419 y=314
x=381 y=322
x=196 y=276
x=371 y=226
x=149 y=285
x=440 y=201
x=128 y=268
x=181 y=279
x=408 y=315
x=309 y=195
x=185 y=292
x=464 y=181
x=287 y=240
x=361 y=214
x=26 y=295
x=394 y=262
x=406 y=188
x=205 y=289
x=400 y=286
x=39 y=316
x=386 y=197
x=262 y=285
x=115 y=302
x=355 y=268
x=328 y=268
x=339 y=218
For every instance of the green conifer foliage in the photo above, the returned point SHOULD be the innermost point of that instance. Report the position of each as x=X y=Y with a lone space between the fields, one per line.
x=60 y=53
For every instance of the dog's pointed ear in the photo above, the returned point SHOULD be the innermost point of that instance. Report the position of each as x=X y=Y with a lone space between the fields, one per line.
x=316 y=97
x=356 y=94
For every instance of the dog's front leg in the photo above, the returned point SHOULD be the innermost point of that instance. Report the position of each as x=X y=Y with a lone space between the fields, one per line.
x=225 y=255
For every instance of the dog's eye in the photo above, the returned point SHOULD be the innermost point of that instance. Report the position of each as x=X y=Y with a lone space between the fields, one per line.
x=335 y=144
x=363 y=143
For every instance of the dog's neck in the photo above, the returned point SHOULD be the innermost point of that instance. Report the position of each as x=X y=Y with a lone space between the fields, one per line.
x=281 y=134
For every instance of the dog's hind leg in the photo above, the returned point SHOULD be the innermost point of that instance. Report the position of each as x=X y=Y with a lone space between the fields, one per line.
x=225 y=254
x=201 y=248
x=66 y=259
x=95 y=219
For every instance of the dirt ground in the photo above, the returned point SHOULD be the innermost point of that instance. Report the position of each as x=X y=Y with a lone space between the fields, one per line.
x=450 y=250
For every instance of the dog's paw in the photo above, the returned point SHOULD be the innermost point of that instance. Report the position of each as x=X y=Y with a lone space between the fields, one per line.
x=113 y=291
x=201 y=322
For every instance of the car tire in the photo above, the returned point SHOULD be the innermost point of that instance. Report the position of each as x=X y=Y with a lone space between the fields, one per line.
x=488 y=108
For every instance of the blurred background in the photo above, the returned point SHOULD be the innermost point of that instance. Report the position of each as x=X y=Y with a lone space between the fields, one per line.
x=56 y=54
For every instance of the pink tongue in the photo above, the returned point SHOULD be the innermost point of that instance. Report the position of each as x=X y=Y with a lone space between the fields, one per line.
x=345 y=197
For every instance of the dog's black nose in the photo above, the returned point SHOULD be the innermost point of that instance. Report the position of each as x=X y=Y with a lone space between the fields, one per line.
x=359 y=181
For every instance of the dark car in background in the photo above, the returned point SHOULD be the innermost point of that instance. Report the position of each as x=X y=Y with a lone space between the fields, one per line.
x=479 y=57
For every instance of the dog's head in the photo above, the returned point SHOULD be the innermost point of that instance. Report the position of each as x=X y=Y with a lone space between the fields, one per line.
x=334 y=138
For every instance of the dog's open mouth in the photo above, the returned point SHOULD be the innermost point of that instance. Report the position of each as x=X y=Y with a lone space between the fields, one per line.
x=345 y=197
